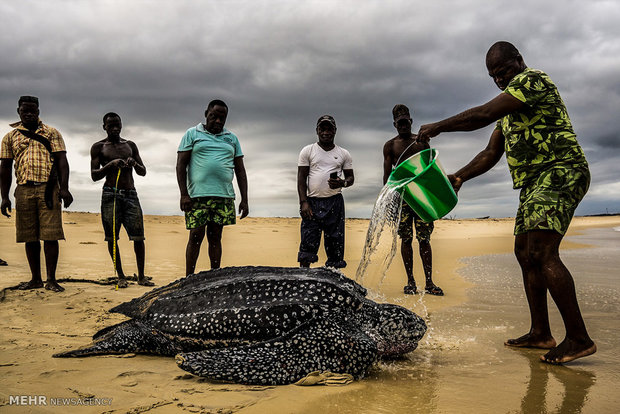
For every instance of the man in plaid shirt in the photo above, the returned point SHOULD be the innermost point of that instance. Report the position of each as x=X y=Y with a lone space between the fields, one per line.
x=34 y=220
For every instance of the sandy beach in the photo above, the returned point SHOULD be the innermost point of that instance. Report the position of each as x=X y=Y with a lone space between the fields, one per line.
x=460 y=366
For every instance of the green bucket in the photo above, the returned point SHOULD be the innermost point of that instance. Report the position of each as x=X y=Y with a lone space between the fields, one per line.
x=423 y=184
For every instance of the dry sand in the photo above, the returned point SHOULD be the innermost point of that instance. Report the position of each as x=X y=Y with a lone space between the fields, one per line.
x=35 y=324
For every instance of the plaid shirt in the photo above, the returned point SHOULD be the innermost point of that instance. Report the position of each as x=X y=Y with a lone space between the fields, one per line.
x=32 y=161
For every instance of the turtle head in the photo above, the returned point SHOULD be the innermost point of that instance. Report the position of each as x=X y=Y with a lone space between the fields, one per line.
x=395 y=330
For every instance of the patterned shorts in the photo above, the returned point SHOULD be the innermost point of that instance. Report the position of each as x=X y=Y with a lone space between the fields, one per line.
x=549 y=202
x=408 y=220
x=205 y=210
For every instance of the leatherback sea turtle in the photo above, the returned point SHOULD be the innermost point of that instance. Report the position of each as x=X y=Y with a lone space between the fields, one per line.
x=261 y=325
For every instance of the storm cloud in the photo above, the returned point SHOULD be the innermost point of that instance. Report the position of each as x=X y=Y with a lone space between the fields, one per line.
x=279 y=65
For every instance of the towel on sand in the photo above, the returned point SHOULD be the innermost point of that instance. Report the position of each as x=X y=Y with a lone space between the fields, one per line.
x=325 y=378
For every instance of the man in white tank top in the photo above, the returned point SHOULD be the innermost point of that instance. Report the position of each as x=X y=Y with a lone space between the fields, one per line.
x=323 y=170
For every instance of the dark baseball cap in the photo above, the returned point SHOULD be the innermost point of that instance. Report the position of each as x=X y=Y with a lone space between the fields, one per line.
x=326 y=118
x=28 y=99
x=399 y=112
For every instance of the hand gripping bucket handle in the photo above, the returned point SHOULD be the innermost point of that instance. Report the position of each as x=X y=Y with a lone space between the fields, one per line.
x=424 y=185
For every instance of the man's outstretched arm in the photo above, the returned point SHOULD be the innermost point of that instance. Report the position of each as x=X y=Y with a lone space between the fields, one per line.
x=474 y=118
x=483 y=162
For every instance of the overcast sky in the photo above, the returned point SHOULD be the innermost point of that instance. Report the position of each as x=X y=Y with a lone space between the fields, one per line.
x=281 y=64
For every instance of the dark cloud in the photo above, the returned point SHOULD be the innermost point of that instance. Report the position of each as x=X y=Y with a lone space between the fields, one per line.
x=279 y=65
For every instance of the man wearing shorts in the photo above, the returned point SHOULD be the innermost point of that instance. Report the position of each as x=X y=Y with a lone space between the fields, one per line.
x=36 y=218
x=323 y=169
x=549 y=166
x=208 y=157
x=115 y=158
x=395 y=151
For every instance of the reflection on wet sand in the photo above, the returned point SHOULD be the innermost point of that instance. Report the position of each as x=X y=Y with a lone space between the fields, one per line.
x=541 y=394
x=406 y=385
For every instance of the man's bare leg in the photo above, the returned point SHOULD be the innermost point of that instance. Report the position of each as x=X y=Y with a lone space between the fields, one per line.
x=406 y=251
x=577 y=343
x=139 y=250
x=196 y=236
x=122 y=280
x=539 y=335
x=50 y=250
x=214 y=237
x=33 y=254
x=426 y=254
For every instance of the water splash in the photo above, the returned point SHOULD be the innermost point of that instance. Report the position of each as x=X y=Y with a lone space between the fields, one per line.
x=384 y=221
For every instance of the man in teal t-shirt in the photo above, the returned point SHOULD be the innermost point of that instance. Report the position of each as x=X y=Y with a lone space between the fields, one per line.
x=549 y=166
x=208 y=157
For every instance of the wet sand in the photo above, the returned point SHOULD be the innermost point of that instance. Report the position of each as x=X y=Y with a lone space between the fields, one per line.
x=460 y=366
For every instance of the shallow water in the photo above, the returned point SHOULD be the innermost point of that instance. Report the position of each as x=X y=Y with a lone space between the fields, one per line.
x=461 y=365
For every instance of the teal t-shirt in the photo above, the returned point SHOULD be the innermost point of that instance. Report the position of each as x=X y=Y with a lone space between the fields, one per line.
x=211 y=168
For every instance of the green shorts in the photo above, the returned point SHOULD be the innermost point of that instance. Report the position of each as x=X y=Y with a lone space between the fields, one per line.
x=549 y=202
x=205 y=210
x=408 y=220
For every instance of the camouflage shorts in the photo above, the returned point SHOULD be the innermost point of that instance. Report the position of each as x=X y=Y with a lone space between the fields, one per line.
x=408 y=220
x=549 y=202
x=205 y=210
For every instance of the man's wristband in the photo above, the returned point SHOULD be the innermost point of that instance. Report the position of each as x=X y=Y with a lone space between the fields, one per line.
x=345 y=184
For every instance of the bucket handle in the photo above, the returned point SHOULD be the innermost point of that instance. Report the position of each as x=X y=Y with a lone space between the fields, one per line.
x=402 y=184
x=403 y=153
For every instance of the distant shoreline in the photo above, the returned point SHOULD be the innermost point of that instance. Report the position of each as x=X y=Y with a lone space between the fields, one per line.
x=358 y=218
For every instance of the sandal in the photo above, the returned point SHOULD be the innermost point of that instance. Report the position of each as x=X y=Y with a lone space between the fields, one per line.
x=435 y=290
x=410 y=290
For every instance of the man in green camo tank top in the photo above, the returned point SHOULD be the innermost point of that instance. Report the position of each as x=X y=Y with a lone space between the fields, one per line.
x=549 y=166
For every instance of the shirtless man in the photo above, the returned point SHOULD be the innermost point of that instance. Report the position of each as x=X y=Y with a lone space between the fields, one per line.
x=395 y=151
x=115 y=158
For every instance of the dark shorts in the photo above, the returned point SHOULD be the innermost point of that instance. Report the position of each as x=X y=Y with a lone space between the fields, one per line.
x=33 y=220
x=550 y=201
x=205 y=210
x=128 y=213
x=408 y=220
x=328 y=219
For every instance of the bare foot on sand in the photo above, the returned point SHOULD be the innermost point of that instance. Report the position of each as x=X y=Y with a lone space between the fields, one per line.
x=531 y=341
x=33 y=284
x=567 y=351
x=54 y=286
x=122 y=283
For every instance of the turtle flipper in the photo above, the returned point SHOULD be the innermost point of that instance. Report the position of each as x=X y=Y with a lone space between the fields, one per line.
x=126 y=337
x=321 y=344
